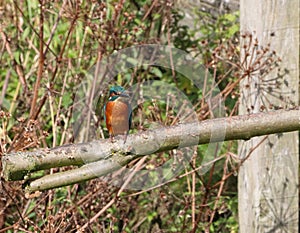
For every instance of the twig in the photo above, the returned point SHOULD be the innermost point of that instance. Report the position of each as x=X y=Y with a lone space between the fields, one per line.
x=41 y=61
x=96 y=216
x=179 y=177
x=59 y=59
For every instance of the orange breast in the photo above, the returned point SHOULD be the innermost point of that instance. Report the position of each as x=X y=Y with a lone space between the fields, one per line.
x=117 y=117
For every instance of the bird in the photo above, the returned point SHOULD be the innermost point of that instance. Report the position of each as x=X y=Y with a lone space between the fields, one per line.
x=118 y=113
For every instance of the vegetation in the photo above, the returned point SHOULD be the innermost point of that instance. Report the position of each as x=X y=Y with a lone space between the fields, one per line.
x=49 y=48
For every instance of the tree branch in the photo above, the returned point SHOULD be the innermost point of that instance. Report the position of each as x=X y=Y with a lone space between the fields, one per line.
x=101 y=157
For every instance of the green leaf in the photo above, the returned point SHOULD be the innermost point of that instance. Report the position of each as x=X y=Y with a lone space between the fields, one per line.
x=230 y=17
x=233 y=30
x=72 y=53
x=132 y=61
x=156 y=71
x=17 y=57
x=66 y=99
x=25 y=33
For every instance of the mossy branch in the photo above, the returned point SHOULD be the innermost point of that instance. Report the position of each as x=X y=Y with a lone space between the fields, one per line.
x=100 y=157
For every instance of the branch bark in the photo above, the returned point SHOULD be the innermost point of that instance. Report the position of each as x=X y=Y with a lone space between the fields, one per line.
x=100 y=157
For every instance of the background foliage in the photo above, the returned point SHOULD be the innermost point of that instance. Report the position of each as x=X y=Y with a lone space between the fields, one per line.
x=47 y=47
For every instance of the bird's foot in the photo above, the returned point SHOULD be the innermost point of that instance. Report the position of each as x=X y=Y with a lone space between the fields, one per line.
x=125 y=138
x=112 y=139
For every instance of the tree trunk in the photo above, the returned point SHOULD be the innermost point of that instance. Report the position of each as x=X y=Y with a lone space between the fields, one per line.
x=268 y=180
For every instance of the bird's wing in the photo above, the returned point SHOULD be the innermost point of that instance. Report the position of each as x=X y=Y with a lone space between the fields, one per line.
x=103 y=111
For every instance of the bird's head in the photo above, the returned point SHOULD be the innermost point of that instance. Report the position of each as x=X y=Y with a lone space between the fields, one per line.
x=116 y=92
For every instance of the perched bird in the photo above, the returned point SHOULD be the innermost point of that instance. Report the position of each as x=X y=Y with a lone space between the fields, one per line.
x=117 y=113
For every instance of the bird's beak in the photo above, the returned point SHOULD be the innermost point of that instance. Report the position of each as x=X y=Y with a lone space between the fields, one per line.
x=123 y=94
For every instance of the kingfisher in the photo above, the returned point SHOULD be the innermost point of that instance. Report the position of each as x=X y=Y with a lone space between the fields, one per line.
x=117 y=113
